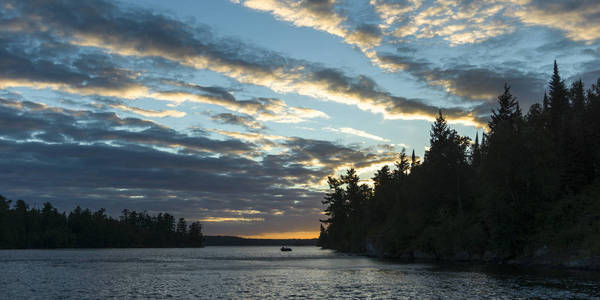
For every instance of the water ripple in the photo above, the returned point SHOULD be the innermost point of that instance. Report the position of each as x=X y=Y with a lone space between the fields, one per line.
x=266 y=273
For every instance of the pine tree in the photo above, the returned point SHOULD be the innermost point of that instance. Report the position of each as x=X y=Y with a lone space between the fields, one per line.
x=195 y=237
x=413 y=161
x=577 y=154
x=322 y=241
x=507 y=114
x=592 y=128
x=577 y=95
x=356 y=198
x=439 y=132
x=558 y=106
x=337 y=211
x=402 y=166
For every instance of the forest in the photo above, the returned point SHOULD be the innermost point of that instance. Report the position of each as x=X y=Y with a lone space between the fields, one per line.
x=22 y=227
x=529 y=187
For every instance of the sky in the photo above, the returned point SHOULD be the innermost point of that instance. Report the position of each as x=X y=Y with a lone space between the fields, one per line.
x=234 y=112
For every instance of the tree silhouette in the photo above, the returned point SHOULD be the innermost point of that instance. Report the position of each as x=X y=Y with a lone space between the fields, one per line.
x=531 y=180
x=25 y=227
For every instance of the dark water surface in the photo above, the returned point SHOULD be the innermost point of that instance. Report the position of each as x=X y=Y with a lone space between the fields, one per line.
x=266 y=272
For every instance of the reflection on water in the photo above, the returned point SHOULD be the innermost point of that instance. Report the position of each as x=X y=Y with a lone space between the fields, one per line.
x=266 y=272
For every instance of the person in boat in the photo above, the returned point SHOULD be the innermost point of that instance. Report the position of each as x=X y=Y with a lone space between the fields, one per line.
x=284 y=248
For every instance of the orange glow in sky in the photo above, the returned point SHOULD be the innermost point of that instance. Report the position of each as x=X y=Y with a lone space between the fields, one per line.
x=285 y=235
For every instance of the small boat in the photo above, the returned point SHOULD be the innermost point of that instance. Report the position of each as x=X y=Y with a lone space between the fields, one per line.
x=284 y=248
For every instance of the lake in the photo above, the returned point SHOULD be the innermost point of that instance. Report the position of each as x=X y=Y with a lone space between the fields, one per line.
x=266 y=272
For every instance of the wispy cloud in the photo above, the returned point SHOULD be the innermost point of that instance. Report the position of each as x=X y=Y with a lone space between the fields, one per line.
x=151 y=113
x=249 y=136
x=230 y=219
x=232 y=119
x=20 y=70
x=580 y=20
x=198 y=48
x=320 y=15
x=129 y=161
x=263 y=109
x=356 y=132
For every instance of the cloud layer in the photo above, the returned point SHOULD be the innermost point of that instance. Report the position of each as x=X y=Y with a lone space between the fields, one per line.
x=132 y=163
x=157 y=111
x=142 y=34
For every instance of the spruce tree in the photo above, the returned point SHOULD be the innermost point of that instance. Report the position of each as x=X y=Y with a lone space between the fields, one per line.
x=508 y=112
x=558 y=106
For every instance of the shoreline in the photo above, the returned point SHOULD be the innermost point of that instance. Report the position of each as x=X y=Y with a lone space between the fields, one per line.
x=541 y=258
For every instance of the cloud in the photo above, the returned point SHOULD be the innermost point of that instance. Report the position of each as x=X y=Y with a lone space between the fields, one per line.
x=127 y=162
x=151 y=113
x=243 y=211
x=230 y=219
x=144 y=34
x=133 y=163
x=263 y=109
x=320 y=15
x=458 y=22
x=356 y=132
x=391 y=12
x=580 y=20
x=98 y=75
x=102 y=52
x=245 y=121
x=285 y=235
x=471 y=82
x=34 y=121
x=249 y=136
x=486 y=84
x=19 y=70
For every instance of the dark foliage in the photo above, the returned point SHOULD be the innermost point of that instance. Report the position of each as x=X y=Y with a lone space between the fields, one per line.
x=531 y=183
x=23 y=227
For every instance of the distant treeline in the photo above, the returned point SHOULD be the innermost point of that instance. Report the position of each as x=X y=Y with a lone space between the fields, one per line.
x=529 y=187
x=23 y=227
x=220 y=240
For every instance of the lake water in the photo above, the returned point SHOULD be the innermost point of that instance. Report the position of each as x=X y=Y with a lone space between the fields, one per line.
x=266 y=272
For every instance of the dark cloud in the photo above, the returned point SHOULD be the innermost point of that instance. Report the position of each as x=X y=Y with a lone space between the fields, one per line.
x=319 y=7
x=141 y=33
x=558 y=44
x=588 y=72
x=81 y=73
x=232 y=119
x=369 y=29
x=472 y=83
x=93 y=127
x=579 y=20
x=486 y=83
x=591 y=52
x=406 y=63
x=78 y=157
x=92 y=73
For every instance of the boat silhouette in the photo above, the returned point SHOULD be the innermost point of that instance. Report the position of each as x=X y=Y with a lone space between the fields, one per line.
x=284 y=248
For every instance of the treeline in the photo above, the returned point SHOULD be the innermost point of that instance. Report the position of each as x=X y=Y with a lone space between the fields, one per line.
x=530 y=187
x=23 y=227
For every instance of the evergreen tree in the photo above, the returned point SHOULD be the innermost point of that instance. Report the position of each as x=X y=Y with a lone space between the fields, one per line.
x=181 y=227
x=25 y=227
x=337 y=210
x=577 y=154
x=558 y=106
x=413 y=160
x=515 y=189
x=195 y=237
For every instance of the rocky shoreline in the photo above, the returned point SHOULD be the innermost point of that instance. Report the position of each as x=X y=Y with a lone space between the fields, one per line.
x=542 y=257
